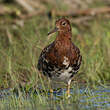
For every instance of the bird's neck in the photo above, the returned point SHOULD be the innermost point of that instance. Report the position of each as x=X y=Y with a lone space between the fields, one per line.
x=63 y=40
x=64 y=36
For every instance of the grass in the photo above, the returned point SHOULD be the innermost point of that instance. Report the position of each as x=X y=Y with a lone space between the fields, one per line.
x=20 y=47
x=83 y=99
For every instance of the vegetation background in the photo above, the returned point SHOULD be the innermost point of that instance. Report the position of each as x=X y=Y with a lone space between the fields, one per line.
x=24 y=25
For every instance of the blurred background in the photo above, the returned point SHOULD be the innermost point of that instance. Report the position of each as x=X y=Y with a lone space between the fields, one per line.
x=24 y=25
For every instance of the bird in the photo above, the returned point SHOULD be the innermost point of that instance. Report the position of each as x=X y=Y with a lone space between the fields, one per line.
x=61 y=59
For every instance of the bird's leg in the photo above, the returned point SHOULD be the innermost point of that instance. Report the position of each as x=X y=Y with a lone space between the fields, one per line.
x=51 y=90
x=50 y=87
x=68 y=88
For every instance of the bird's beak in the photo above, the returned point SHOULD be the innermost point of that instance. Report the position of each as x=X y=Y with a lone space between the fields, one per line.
x=54 y=30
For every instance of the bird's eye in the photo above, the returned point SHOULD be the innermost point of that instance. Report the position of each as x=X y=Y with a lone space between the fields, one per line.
x=64 y=23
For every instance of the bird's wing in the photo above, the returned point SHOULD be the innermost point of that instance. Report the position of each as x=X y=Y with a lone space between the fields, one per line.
x=42 y=57
x=76 y=58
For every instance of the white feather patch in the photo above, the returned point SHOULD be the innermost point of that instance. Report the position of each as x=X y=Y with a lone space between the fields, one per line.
x=66 y=61
x=65 y=73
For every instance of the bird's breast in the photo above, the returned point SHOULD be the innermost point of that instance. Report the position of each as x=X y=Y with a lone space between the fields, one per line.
x=63 y=75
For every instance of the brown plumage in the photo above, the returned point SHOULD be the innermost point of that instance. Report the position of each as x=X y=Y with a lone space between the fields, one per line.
x=61 y=59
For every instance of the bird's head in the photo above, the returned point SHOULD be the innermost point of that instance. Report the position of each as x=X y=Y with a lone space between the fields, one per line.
x=61 y=25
